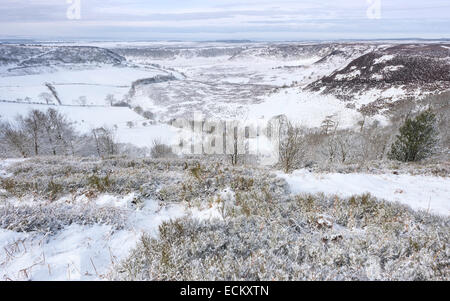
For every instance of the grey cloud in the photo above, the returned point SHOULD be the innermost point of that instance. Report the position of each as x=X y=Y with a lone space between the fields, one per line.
x=244 y=19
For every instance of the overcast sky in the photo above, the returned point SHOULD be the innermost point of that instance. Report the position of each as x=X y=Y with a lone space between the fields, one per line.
x=225 y=19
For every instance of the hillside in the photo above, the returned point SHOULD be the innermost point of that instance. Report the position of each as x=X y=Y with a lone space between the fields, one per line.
x=304 y=81
x=185 y=211
x=406 y=70
x=42 y=55
x=287 y=175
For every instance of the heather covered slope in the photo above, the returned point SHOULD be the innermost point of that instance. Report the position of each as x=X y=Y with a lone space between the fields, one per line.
x=397 y=65
x=389 y=74
x=184 y=219
x=21 y=56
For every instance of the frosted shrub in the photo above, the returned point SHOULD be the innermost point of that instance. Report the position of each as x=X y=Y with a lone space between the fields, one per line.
x=301 y=238
x=54 y=217
x=417 y=139
x=161 y=150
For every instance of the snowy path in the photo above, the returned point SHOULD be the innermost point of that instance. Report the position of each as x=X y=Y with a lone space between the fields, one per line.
x=419 y=192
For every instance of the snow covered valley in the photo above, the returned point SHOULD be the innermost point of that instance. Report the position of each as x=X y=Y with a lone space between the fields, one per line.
x=94 y=185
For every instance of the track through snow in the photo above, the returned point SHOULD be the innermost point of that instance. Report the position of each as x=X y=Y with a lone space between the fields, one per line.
x=419 y=192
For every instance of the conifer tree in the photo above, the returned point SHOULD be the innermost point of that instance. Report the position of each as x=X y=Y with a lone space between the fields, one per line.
x=417 y=138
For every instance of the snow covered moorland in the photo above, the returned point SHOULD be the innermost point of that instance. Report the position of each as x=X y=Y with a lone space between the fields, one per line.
x=225 y=161
x=141 y=219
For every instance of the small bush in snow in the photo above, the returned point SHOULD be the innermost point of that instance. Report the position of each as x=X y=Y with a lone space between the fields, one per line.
x=52 y=218
x=161 y=150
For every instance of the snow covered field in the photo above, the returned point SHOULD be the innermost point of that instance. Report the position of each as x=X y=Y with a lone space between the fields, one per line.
x=92 y=82
x=427 y=193
x=307 y=109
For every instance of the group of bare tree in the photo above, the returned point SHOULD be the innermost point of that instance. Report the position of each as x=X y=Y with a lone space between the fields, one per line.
x=105 y=141
x=291 y=146
x=301 y=146
x=39 y=133
x=368 y=142
x=51 y=133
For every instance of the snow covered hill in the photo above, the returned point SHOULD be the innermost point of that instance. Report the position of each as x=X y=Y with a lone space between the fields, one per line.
x=388 y=74
x=113 y=213
x=226 y=80
x=23 y=56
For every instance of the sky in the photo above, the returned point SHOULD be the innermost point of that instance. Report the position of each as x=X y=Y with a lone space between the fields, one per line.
x=286 y=20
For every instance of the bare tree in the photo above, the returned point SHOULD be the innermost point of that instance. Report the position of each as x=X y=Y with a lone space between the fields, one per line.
x=110 y=99
x=47 y=97
x=105 y=141
x=161 y=150
x=14 y=138
x=33 y=124
x=62 y=132
x=49 y=127
x=330 y=149
x=374 y=142
x=234 y=156
x=329 y=124
x=291 y=148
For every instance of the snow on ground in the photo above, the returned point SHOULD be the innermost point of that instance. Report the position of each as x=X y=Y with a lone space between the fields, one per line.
x=245 y=69
x=383 y=59
x=222 y=86
x=86 y=252
x=93 y=82
x=86 y=118
x=419 y=192
x=306 y=108
x=7 y=162
x=392 y=68
x=348 y=75
x=369 y=96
